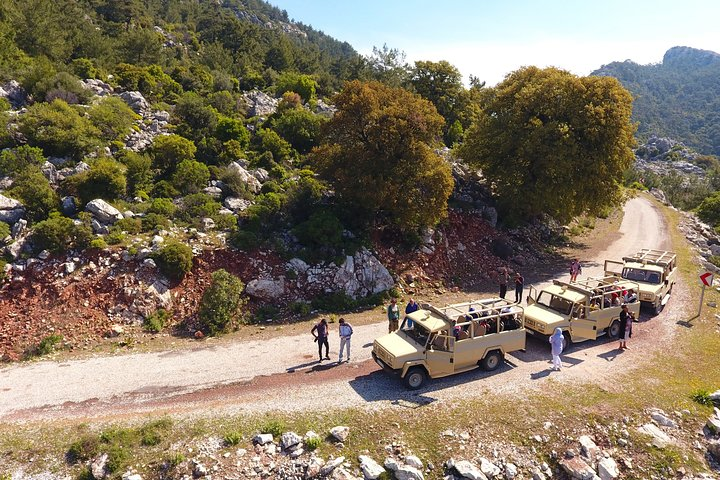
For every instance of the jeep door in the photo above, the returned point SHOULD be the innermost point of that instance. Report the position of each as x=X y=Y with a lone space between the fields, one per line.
x=613 y=267
x=582 y=328
x=440 y=355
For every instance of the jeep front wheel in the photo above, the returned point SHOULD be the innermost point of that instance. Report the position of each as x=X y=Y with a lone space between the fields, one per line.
x=415 y=378
x=491 y=361
x=658 y=308
x=566 y=341
x=614 y=329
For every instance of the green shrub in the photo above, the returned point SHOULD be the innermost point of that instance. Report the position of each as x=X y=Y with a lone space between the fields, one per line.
x=274 y=427
x=138 y=171
x=313 y=443
x=701 y=396
x=299 y=83
x=169 y=150
x=63 y=86
x=153 y=221
x=83 y=449
x=152 y=432
x=16 y=160
x=190 y=176
x=300 y=308
x=245 y=240
x=105 y=179
x=266 y=312
x=175 y=459
x=113 y=117
x=85 y=474
x=163 y=206
x=232 y=129
x=334 y=302
x=33 y=189
x=164 y=189
x=715 y=260
x=174 y=260
x=156 y=321
x=232 y=438
x=198 y=205
x=300 y=127
x=709 y=209
x=98 y=243
x=57 y=234
x=267 y=140
x=226 y=222
x=133 y=226
x=58 y=129
x=115 y=238
x=4 y=230
x=221 y=302
x=3 y=264
x=45 y=347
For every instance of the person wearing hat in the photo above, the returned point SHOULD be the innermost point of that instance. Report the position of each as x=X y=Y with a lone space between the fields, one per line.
x=626 y=319
x=345 y=330
x=393 y=314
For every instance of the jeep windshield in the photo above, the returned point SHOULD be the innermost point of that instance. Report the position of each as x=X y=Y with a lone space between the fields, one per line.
x=554 y=302
x=640 y=275
x=418 y=333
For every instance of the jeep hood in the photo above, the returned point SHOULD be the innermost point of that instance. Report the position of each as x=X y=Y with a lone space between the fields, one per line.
x=398 y=344
x=543 y=315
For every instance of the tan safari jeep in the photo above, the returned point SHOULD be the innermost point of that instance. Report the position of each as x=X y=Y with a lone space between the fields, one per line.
x=437 y=342
x=654 y=270
x=584 y=309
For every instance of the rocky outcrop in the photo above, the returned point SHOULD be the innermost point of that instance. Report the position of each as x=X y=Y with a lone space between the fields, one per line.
x=266 y=289
x=703 y=238
x=136 y=101
x=103 y=211
x=98 y=87
x=260 y=104
x=14 y=93
x=246 y=177
x=10 y=210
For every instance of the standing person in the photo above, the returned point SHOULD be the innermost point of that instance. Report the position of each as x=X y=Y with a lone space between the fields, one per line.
x=320 y=332
x=393 y=313
x=519 y=285
x=410 y=308
x=346 y=331
x=503 y=278
x=556 y=343
x=575 y=270
x=626 y=319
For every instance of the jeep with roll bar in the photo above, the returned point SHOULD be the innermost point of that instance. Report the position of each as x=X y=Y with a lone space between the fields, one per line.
x=437 y=342
x=654 y=270
x=584 y=309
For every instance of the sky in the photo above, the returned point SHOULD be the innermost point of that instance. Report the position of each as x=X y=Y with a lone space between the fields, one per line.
x=491 y=38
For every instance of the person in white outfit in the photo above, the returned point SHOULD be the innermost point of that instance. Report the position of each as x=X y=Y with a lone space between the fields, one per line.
x=556 y=342
x=346 y=332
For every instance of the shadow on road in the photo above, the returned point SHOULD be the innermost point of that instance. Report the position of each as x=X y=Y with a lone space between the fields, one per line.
x=611 y=355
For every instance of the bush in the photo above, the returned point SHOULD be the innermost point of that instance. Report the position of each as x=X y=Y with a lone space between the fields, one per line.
x=15 y=160
x=98 y=243
x=58 y=234
x=36 y=194
x=300 y=308
x=153 y=221
x=274 y=427
x=226 y=222
x=233 y=438
x=63 y=86
x=709 y=209
x=4 y=230
x=138 y=170
x=114 y=238
x=266 y=312
x=334 y=302
x=245 y=240
x=105 y=179
x=156 y=321
x=701 y=396
x=113 y=117
x=190 y=176
x=232 y=129
x=162 y=206
x=45 y=347
x=164 y=189
x=198 y=205
x=301 y=84
x=133 y=226
x=84 y=449
x=715 y=260
x=58 y=129
x=174 y=260
x=313 y=443
x=152 y=432
x=169 y=150
x=268 y=140
x=300 y=127
x=221 y=302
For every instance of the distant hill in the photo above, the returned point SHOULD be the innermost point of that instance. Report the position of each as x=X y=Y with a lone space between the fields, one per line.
x=678 y=98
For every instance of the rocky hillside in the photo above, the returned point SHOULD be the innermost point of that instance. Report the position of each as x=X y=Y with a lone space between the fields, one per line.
x=678 y=98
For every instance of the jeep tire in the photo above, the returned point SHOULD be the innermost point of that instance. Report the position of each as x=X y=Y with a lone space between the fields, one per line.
x=415 y=378
x=614 y=329
x=491 y=361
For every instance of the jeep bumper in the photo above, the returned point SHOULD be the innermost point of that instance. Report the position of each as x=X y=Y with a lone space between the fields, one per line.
x=385 y=366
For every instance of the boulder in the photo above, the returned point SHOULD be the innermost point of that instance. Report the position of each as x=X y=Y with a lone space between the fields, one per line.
x=488 y=468
x=98 y=466
x=266 y=289
x=289 y=440
x=14 y=93
x=406 y=472
x=10 y=210
x=467 y=470
x=370 y=468
x=246 y=177
x=136 y=101
x=577 y=468
x=511 y=471
x=236 y=204
x=714 y=449
x=68 y=207
x=391 y=464
x=608 y=469
x=50 y=172
x=261 y=175
x=715 y=397
x=103 y=211
x=19 y=228
x=331 y=465
x=340 y=433
x=660 y=439
x=588 y=448
x=413 y=461
x=263 y=438
x=662 y=419
x=98 y=87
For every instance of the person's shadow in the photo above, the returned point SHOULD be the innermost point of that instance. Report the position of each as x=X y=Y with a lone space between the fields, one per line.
x=612 y=354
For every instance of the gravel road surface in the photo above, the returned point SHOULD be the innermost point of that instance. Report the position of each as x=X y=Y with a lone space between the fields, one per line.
x=283 y=374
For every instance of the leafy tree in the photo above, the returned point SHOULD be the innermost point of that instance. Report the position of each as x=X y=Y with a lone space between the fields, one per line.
x=378 y=155
x=141 y=46
x=387 y=65
x=16 y=160
x=190 y=176
x=58 y=129
x=162 y=206
x=113 y=117
x=300 y=127
x=174 y=260
x=198 y=205
x=32 y=188
x=709 y=209
x=169 y=150
x=221 y=302
x=105 y=179
x=138 y=171
x=268 y=140
x=301 y=84
x=195 y=119
x=551 y=142
x=233 y=129
x=151 y=81
x=441 y=83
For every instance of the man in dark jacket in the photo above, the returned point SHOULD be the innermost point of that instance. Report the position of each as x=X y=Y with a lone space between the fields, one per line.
x=320 y=332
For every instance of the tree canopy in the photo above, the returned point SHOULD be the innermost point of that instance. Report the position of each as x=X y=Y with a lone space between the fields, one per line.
x=378 y=155
x=551 y=142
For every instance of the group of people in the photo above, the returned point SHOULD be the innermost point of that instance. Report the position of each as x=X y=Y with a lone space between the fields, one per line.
x=393 y=314
x=321 y=332
x=503 y=278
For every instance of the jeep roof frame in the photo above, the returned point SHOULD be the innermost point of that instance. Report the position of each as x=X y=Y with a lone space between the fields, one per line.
x=650 y=256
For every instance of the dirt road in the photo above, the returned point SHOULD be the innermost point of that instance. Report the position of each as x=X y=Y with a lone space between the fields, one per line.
x=282 y=374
